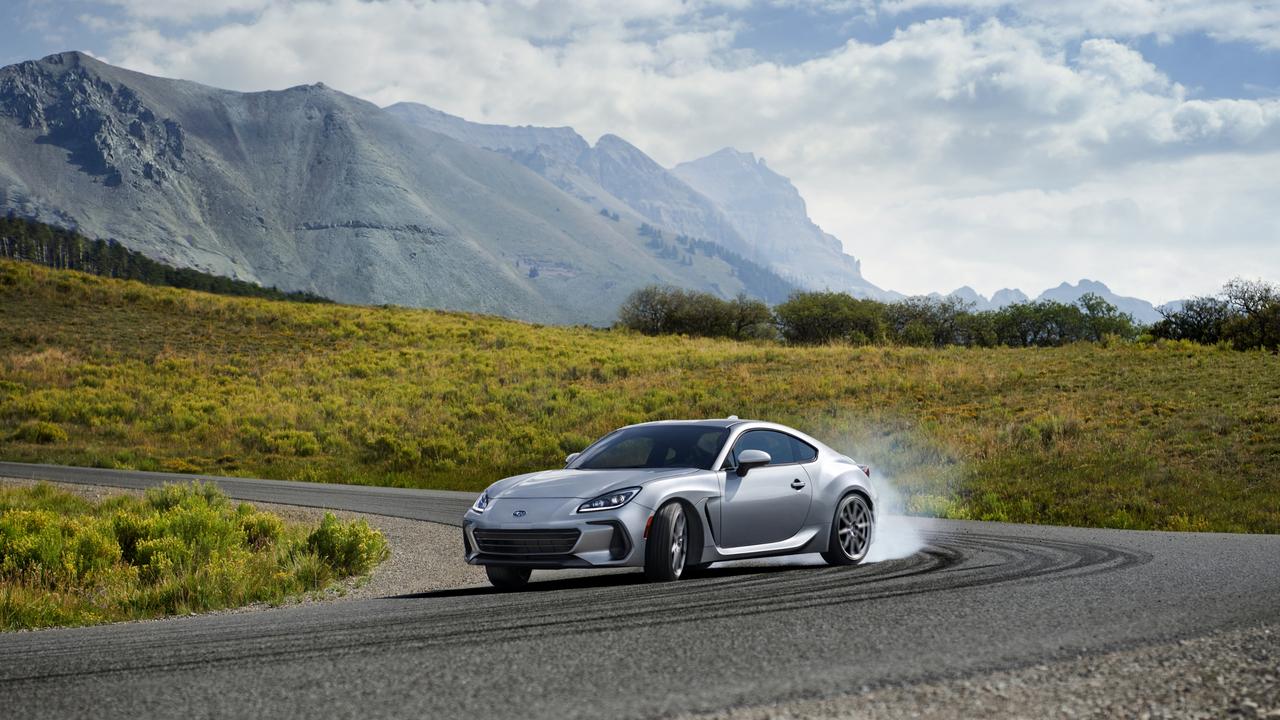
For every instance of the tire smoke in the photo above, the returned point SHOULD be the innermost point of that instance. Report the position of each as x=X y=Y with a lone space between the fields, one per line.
x=895 y=536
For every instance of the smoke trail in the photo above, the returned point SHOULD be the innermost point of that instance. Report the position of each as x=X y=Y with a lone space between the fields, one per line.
x=895 y=537
x=909 y=473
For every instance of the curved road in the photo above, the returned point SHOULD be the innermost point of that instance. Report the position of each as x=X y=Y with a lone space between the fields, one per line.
x=978 y=597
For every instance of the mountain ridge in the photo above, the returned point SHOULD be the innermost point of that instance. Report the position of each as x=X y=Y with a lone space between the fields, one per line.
x=313 y=190
x=1141 y=310
x=614 y=172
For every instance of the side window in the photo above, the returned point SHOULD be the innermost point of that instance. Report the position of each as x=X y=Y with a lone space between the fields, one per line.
x=776 y=444
x=803 y=451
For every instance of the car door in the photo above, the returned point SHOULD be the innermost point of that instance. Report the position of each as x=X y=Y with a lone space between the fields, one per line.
x=770 y=503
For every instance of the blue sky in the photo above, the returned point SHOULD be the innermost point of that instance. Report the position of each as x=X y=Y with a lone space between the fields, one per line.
x=946 y=142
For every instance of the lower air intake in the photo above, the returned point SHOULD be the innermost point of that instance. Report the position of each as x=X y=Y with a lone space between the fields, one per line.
x=524 y=543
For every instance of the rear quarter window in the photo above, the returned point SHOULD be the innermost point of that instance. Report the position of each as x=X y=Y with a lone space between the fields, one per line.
x=802 y=451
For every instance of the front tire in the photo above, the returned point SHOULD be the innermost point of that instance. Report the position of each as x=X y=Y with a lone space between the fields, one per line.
x=667 y=548
x=507 y=578
x=852 y=529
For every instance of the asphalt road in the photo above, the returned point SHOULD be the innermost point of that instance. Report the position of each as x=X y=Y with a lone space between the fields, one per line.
x=979 y=597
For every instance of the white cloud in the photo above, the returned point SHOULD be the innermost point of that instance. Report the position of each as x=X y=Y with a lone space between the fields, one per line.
x=1235 y=20
x=957 y=152
x=187 y=10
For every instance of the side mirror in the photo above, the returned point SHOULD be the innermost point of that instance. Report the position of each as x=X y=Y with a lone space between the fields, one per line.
x=571 y=457
x=748 y=459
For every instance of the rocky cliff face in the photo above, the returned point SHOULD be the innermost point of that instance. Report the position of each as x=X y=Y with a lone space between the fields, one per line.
x=310 y=189
x=740 y=205
x=614 y=175
x=106 y=129
x=768 y=211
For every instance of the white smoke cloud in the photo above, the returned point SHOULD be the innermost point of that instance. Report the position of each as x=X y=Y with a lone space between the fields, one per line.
x=895 y=535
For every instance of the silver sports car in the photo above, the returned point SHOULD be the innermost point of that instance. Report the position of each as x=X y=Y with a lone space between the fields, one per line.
x=674 y=497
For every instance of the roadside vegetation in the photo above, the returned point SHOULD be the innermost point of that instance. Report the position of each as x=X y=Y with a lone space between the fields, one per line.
x=179 y=549
x=1245 y=316
x=1158 y=434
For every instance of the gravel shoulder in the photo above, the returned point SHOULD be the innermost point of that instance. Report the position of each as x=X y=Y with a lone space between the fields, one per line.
x=424 y=557
x=1229 y=674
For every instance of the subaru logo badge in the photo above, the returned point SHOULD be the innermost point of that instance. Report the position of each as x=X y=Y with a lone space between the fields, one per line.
x=518 y=513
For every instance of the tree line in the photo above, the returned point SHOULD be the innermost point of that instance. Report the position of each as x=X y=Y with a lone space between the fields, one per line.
x=37 y=242
x=808 y=318
x=1245 y=315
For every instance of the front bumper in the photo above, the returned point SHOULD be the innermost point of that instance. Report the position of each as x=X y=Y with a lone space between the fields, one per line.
x=609 y=538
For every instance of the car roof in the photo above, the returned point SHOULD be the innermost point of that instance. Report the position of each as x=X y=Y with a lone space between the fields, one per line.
x=714 y=422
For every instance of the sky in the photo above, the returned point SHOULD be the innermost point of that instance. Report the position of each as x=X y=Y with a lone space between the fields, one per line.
x=988 y=143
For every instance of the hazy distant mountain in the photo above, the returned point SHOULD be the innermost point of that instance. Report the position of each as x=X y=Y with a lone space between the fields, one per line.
x=967 y=295
x=728 y=198
x=310 y=189
x=1141 y=310
x=1007 y=296
x=614 y=175
x=766 y=209
x=979 y=302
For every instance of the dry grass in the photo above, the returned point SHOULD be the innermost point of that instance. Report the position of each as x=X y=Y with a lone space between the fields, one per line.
x=1135 y=435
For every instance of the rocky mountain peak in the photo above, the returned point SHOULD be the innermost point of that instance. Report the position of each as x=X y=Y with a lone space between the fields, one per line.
x=105 y=126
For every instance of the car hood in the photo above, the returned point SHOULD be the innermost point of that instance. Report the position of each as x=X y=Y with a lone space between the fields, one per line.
x=584 y=484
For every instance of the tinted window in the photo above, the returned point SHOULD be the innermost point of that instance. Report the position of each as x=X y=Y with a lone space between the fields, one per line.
x=803 y=451
x=778 y=445
x=655 y=446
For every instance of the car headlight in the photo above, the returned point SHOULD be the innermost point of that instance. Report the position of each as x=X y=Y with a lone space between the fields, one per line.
x=482 y=502
x=609 y=500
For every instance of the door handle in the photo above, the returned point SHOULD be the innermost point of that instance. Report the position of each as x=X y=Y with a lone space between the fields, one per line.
x=797 y=485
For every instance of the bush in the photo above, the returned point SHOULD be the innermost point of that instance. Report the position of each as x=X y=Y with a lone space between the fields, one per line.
x=260 y=529
x=292 y=442
x=822 y=317
x=94 y=550
x=350 y=548
x=39 y=431
x=181 y=548
x=658 y=310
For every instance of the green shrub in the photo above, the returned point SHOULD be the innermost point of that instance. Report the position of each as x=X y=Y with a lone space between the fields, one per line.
x=41 y=432
x=181 y=548
x=292 y=442
x=261 y=529
x=171 y=495
x=94 y=551
x=350 y=548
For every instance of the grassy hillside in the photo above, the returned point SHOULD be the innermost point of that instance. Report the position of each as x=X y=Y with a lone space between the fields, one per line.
x=103 y=372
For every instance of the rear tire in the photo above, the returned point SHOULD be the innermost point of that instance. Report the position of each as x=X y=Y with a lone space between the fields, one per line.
x=667 y=548
x=852 y=529
x=507 y=578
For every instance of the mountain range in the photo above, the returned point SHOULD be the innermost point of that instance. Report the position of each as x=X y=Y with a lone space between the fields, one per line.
x=729 y=197
x=309 y=189
x=1141 y=310
x=314 y=190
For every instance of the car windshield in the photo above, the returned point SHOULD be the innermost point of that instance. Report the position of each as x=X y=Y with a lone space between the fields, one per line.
x=655 y=446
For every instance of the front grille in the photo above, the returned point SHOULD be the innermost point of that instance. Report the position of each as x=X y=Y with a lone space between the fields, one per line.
x=526 y=542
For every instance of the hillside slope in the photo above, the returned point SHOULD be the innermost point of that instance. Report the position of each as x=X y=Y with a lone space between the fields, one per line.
x=110 y=373
x=310 y=189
